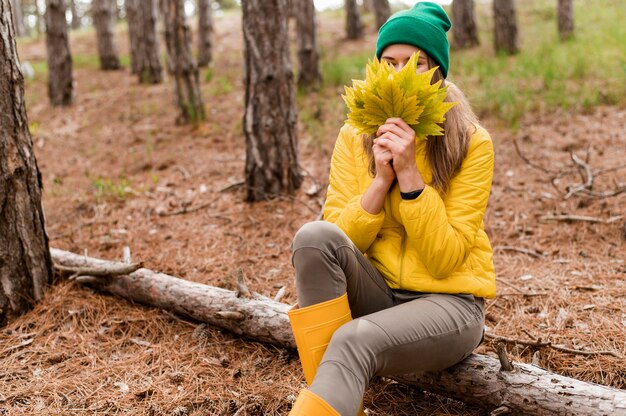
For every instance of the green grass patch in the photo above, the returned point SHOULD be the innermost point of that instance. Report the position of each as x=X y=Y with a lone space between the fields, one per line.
x=343 y=69
x=111 y=189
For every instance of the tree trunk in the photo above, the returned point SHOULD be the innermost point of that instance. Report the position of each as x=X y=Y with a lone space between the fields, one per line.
x=25 y=264
x=104 y=18
x=505 y=26
x=354 y=26
x=382 y=12
x=148 y=59
x=478 y=380
x=205 y=28
x=270 y=117
x=464 y=31
x=135 y=32
x=309 y=74
x=18 y=17
x=566 y=19
x=60 y=82
x=75 y=16
x=368 y=6
x=181 y=63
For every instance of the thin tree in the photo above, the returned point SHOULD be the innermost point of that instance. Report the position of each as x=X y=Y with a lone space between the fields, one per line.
x=148 y=56
x=270 y=116
x=464 y=30
x=134 y=33
x=382 y=11
x=25 y=264
x=18 y=18
x=103 y=13
x=354 y=25
x=181 y=64
x=565 y=19
x=60 y=82
x=505 y=26
x=309 y=73
x=205 y=28
x=75 y=23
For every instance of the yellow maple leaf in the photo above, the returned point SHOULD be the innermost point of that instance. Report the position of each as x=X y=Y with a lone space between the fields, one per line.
x=386 y=93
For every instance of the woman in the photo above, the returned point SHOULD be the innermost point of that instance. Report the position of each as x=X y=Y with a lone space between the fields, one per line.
x=402 y=249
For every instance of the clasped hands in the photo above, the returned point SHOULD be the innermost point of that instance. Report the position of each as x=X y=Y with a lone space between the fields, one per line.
x=394 y=155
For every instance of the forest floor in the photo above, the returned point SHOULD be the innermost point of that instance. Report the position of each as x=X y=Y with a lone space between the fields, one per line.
x=118 y=171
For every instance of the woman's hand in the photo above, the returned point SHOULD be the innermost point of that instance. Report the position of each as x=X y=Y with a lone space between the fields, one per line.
x=383 y=159
x=398 y=138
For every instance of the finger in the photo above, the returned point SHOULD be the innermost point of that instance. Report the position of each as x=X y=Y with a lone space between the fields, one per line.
x=399 y=122
x=395 y=129
x=391 y=142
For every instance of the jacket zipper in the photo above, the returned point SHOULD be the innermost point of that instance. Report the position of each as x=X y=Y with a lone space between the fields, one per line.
x=402 y=250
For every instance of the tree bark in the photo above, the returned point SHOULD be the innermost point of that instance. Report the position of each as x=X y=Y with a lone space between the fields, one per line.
x=205 y=29
x=354 y=26
x=18 y=17
x=505 y=26
x=309 y=73
x=75 y=24
x=270 y=116
x=464 y=31
x=104 y=18
x=477 y=380
x=135 y=32
x=149 y=67
x=25 y=263
x=566 y=19
x=181 y=64
x=382 y=11
x=60 y=82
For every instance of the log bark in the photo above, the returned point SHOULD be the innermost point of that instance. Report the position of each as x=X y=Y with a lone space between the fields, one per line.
x=565 y=19
x=464 y=30
x=477 y=380
x=270 y=116
x=60 y=81
x=25 y=264
x=75 y=23
x=505 y=26
x=205 y=29
x=181 y=63
x=309 y=73
x=354 y=25
x=104 y=17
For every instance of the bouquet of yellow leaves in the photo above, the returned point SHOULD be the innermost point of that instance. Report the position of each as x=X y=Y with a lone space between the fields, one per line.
x=386 y=93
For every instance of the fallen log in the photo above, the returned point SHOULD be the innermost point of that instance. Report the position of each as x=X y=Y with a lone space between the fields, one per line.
x=478 y=380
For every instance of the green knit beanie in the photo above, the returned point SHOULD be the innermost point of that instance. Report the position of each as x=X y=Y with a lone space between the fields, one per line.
x=423 y=26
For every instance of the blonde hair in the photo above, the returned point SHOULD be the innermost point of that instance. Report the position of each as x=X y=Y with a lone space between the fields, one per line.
x=445 y=153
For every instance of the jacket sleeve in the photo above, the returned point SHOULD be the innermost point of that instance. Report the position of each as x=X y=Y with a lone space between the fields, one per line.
x=343 y=200
x=443 y=231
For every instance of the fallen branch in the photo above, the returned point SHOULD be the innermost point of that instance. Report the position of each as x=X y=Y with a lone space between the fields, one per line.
x=532 y=253
x=583 y=218
x=477 y=380
x=113 y=269
x=539 y=344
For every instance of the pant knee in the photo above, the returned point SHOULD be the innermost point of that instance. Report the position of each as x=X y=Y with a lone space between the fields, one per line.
x=317 y=234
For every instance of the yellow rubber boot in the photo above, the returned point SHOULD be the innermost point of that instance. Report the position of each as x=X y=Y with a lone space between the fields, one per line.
x=313 y=327
x=310 y=404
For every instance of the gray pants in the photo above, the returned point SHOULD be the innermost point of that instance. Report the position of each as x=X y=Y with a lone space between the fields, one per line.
x=393 y=332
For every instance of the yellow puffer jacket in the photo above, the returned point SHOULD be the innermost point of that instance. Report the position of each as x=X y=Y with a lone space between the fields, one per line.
x=429 y=244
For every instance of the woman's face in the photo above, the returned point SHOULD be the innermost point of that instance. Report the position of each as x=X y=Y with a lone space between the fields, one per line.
x=398 y=55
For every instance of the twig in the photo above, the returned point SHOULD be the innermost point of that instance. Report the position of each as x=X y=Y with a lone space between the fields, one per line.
x=185 y=210
x=242 y=287
x=112 y=270
x=505 y=364
x=281 y=293
x=232 y=186
x=530 y=163
x=586 y=175
x=569 y=218
x=539 y=344
x=532 y=253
